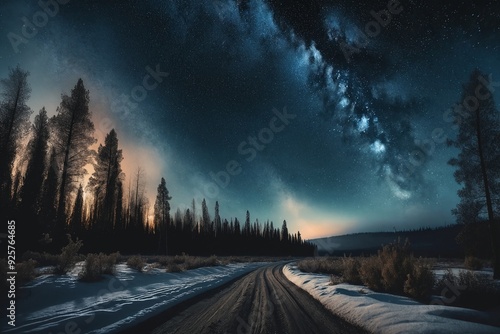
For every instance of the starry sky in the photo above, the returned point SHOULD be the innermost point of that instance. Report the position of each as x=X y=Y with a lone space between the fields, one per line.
x=329 y=114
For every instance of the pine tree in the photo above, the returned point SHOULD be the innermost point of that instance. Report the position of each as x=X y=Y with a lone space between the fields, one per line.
x=237 y=228
x=193 y=207
x=205 y=217
x=188 y=221
x=50 y=190
x=246 y=227
x=119 y=206
x=16 y=189
x=162 y=211
x=217 y=219
x=478 y=162
x=105 y=179
x=138 y=202
x=14 y=125
x=32 y=190
x=178 y=220
x=73 y=136
x=77 y=215
x=284 y=232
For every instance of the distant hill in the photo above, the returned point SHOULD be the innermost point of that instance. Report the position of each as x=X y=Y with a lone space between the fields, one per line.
x=437 y=242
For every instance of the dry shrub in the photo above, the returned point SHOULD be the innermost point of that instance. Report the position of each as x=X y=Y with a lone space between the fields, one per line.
x=174 y=268
x=350 y=270
x=25 y=271
x=136 y=262
x=395 y=270
x=477 y=291
x=323 y=265
x=41 y=259
x=370 y=273
x=68 y=256
x=192 y=262
x=473 y=263
x=420 y=281
x=97 y=265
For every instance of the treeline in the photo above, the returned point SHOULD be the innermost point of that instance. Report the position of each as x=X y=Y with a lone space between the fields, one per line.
x=42 y=167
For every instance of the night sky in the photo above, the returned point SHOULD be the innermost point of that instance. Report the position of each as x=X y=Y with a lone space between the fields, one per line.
x=315 y=108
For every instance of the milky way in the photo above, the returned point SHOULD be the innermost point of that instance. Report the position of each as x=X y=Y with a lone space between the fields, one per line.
x=365 y=86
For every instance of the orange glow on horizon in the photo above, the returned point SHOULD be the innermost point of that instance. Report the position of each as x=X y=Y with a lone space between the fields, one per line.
x=313 y=222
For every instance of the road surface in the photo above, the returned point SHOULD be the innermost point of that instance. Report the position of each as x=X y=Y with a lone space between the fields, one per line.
x=263 y=301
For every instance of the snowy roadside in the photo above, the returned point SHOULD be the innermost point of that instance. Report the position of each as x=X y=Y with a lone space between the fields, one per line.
x=386 y=313
x=62 y=304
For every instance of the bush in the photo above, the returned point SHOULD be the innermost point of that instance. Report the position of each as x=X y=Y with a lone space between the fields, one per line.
x=370 y=273
x=350 y=270
x=478 y=292
x=97 y=265
x=473 y=263
x=420 y=281
x=91 y=271
x=25 y=271
x=136 y=262
x=396 y=271
x=174 y=268
x=108 y=262
x=323 y=265
x=41 y=259
x=468 y=289
x=180 y=259
x=68 y=256
x=396 y=265
x=192 y=262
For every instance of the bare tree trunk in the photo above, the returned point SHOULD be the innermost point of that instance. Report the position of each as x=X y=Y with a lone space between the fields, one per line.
x=492 y=222
x=61 y=210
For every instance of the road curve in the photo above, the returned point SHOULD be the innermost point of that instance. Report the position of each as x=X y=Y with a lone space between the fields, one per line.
x=263 y=301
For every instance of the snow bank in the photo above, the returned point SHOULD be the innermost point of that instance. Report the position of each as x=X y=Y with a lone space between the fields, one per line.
x=386 y=313
x=62 y=304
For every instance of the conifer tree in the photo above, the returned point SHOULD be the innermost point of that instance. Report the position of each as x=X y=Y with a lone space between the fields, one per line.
x=162 y=212
x=478 y=162
x=32 y=190
x=14 y=124
x=73 y=136
x=105 y=180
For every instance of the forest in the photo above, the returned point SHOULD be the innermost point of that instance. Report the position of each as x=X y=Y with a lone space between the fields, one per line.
x=41 y=188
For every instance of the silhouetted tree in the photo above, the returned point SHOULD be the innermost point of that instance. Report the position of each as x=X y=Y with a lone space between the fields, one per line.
x=217 y=219
x=478 y=162
x=104 y=181
x=14 y=124
x=188 y=221
x=119 y=206
x=50 y=190
x=16 y=189
x=73 y=136
x=246 y=227
x=284 y=231
x=77 y=214
x=37 y=150
x=138 y=202
x=205 y=217
x=178 y=220
x=162 y=212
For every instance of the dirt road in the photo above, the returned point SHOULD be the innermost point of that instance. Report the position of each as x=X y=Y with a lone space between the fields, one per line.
x=263 y=301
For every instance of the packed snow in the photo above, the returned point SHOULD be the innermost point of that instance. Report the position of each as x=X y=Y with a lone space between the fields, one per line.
x=63 y=304
x=386 y=313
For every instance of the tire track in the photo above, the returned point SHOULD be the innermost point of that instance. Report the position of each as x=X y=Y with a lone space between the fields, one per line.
x=263 y=301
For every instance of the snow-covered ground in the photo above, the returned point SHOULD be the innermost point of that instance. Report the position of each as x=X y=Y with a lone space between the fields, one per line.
x=386 y=313
x=62 y=304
